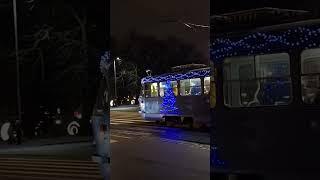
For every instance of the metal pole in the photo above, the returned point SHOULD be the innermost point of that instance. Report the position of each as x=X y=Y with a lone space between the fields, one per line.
x=115 y=78
x=17 y=57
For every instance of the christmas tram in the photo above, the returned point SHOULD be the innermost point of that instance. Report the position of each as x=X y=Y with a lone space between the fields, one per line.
x=266 y=118
x=179 y=97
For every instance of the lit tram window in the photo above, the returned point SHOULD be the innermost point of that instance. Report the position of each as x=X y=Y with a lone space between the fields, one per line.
x=190 y=87
x=162 y=88
x=206 y=85
x=151 y=90
x=154 y=90
x=262 y=80
x=174 y=85
x=310 y=76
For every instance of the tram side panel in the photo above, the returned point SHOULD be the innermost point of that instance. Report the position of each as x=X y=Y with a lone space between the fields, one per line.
x=195 y=107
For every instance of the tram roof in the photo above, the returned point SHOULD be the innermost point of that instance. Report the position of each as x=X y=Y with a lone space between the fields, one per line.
x=255 y=18
x=274 y=36
x=175 y=76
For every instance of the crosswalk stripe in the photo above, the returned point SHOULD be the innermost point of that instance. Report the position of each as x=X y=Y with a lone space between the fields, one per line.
x=124 y=122
x=113 y=141
x=20 y=177
x=126 y=114
x=47 y=160
x=129 y=120
x=128 y=117
x=67 y=165
x=44 y=165
x=51 y=169
x=126 y=137
x=33 y=173
x=125 y=117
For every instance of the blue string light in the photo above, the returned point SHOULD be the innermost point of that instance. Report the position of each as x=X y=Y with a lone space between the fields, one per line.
x=169 y=101
x=216 y=161
x=175 y=77
x=265 y=42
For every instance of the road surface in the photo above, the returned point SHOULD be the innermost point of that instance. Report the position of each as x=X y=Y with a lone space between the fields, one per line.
x=141 y=150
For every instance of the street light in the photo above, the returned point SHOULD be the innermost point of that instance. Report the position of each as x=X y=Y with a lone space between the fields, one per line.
x=115 y=75
x=17 y=58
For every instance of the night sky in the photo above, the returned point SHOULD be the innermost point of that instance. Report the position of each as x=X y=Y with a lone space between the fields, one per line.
x=144 y=16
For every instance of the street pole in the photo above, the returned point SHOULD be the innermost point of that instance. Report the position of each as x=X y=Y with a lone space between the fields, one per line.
x=115 y=78
x=17 y=58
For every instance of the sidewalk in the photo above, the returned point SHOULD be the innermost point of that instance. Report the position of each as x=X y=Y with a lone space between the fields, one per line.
x=45 y=141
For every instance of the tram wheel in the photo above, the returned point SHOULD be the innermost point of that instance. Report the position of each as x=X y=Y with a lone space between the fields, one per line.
x=188 y=121
x=169 y=121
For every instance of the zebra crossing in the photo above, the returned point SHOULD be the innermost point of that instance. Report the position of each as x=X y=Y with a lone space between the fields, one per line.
x=47 y=169
x=127 y=118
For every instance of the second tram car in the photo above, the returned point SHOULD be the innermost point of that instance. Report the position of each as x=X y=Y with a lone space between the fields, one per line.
x=266 y=118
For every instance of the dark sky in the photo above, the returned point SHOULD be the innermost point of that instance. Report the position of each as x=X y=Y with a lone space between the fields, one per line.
x=144 y=16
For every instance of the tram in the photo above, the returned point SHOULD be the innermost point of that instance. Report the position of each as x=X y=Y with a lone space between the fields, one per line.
x=266 y=117
x=180 y=97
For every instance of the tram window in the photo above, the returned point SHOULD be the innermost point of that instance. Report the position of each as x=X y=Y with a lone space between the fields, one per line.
x=310 y=76
x=262 y=80
x=154 y=90
x=190 y=87
x=151 y=90
x=162 y=88
x=206 y=85
x=146 y=90
x=174 y=85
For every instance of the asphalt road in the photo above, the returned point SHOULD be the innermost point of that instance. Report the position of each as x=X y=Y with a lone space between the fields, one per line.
x=141 y=150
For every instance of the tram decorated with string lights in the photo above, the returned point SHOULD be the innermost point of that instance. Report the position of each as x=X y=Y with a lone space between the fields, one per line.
x=179 y=97
x=266 y=117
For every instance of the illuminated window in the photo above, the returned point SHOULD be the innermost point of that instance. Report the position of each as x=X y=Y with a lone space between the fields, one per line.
x=257 y=80
x=154 y=90
x=206 y=85
x=162 y=88
x=151 y=90
x=310 y=77
x=190 y=87
x=174 y=85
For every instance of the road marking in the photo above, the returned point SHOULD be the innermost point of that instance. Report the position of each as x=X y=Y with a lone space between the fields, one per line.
x=190 y=144
x=130 y=120
x=126 y=137
x=126 y=132
x=113 y=141
x=51 y=169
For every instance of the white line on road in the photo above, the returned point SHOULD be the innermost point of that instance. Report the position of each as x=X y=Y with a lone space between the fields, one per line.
x=50 y=169
x=126 y=137
x=113 y=141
